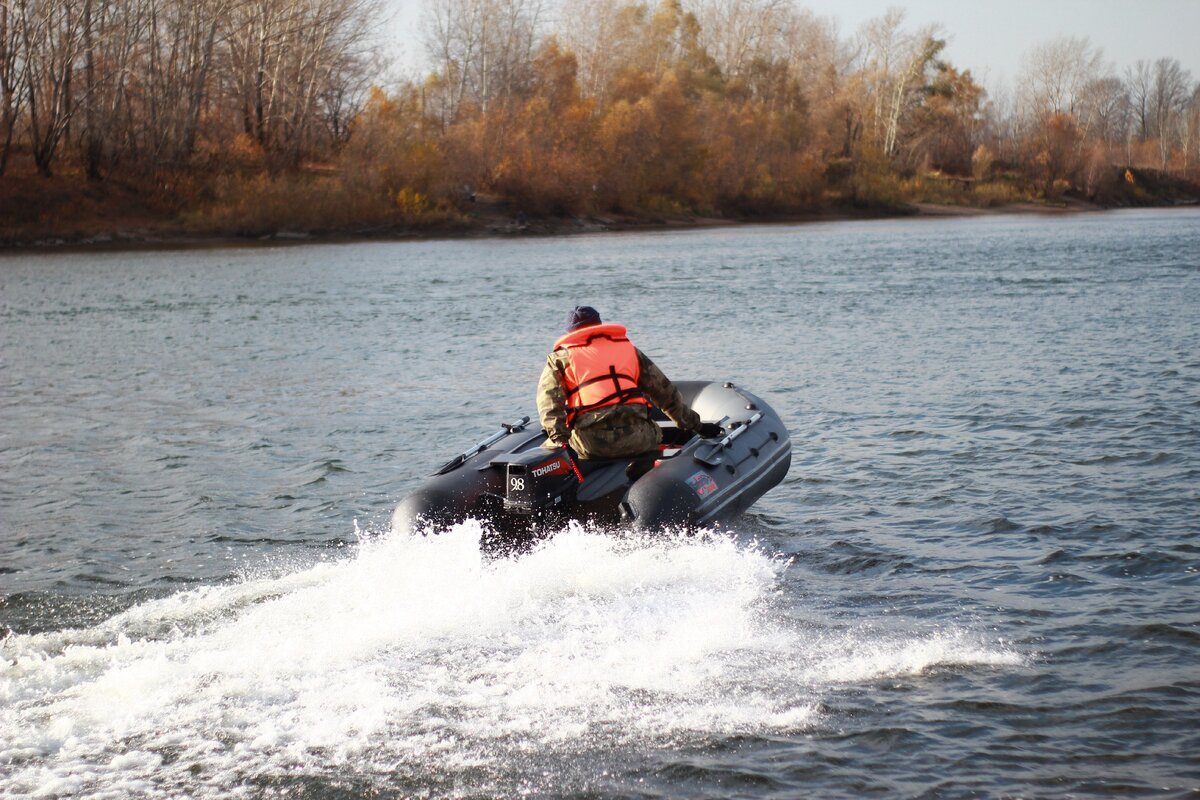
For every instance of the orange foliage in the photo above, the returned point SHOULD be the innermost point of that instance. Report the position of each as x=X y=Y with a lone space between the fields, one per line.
x=945 y=128
x=659 y=128
x=1053 y=155
x=545 y=163
x=393 y=146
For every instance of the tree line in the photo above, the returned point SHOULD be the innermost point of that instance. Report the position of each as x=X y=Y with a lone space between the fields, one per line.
x=569 y=107
x=146 y=85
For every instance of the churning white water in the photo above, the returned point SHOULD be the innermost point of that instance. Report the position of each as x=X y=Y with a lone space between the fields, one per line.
x=420 y=656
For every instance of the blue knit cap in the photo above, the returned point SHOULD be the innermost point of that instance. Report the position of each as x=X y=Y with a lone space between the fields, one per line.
x=580 y=316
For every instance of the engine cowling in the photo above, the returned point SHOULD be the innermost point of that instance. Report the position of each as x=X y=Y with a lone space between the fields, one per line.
x=537 y=481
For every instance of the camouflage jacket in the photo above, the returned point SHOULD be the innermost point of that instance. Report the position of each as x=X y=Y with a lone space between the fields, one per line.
x=552 y=399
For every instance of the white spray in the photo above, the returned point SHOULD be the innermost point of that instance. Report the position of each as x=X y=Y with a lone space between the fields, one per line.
x=421 y=655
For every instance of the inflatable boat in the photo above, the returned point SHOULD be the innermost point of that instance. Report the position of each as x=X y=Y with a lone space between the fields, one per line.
x=520 y=489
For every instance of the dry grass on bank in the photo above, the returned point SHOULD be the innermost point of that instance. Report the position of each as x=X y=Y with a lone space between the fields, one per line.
x=69 y=207
x=264 y=204
x=938 y=189
x=325 y=201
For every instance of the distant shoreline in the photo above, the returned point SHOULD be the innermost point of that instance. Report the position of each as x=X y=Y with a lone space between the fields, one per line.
x=503 y=227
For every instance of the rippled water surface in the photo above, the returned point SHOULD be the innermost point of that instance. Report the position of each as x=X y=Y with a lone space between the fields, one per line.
x=978 y=579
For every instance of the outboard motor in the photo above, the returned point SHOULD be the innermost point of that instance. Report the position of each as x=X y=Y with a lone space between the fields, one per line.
x=538 y=481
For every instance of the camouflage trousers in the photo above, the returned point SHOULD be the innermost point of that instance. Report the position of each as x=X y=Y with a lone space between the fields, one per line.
x=615 y=432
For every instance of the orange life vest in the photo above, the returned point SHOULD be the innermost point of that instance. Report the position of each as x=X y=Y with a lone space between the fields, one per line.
x=602 y=369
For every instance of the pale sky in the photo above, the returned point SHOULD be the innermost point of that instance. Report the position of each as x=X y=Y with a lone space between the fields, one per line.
x=988 y=37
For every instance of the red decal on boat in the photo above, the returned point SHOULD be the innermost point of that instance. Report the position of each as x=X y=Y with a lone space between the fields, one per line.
x=702 y=484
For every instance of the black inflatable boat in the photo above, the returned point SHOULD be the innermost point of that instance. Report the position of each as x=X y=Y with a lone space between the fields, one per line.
x=518 y=487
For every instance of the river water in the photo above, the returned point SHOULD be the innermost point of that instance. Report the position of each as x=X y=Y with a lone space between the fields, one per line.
x=978 y=579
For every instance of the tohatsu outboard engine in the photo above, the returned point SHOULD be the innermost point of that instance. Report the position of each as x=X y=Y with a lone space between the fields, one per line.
x=538 y=481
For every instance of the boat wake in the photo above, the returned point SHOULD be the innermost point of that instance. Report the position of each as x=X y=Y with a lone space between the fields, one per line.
x=423 y=660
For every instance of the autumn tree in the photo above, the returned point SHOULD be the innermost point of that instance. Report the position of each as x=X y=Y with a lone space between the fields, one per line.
x=605 y=38
x=547 y=161
x=482 y=50
x=819 y=63
x=771 y=52
x=1169 y=97
x=895 y=62
x=285 y=62
x=652 y=147
x=1065 y=96
x=946 y=125
x=1139 y=84
x=1105 y=111
x=180 y=44
x=52 y=39
x=1191 y=128
x=393 y=147
x=738 y=34
x=1053 y=154
x=1055 y=74
x=115 y=31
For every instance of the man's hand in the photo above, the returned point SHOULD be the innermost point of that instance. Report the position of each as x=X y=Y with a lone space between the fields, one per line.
x=550 y=444
x=710 y=430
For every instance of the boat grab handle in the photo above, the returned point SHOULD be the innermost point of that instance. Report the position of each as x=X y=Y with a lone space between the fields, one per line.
x=461 y=458
x=712 y=454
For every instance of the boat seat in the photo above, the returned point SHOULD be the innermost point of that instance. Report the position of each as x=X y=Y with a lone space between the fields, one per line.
x=635 y=466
